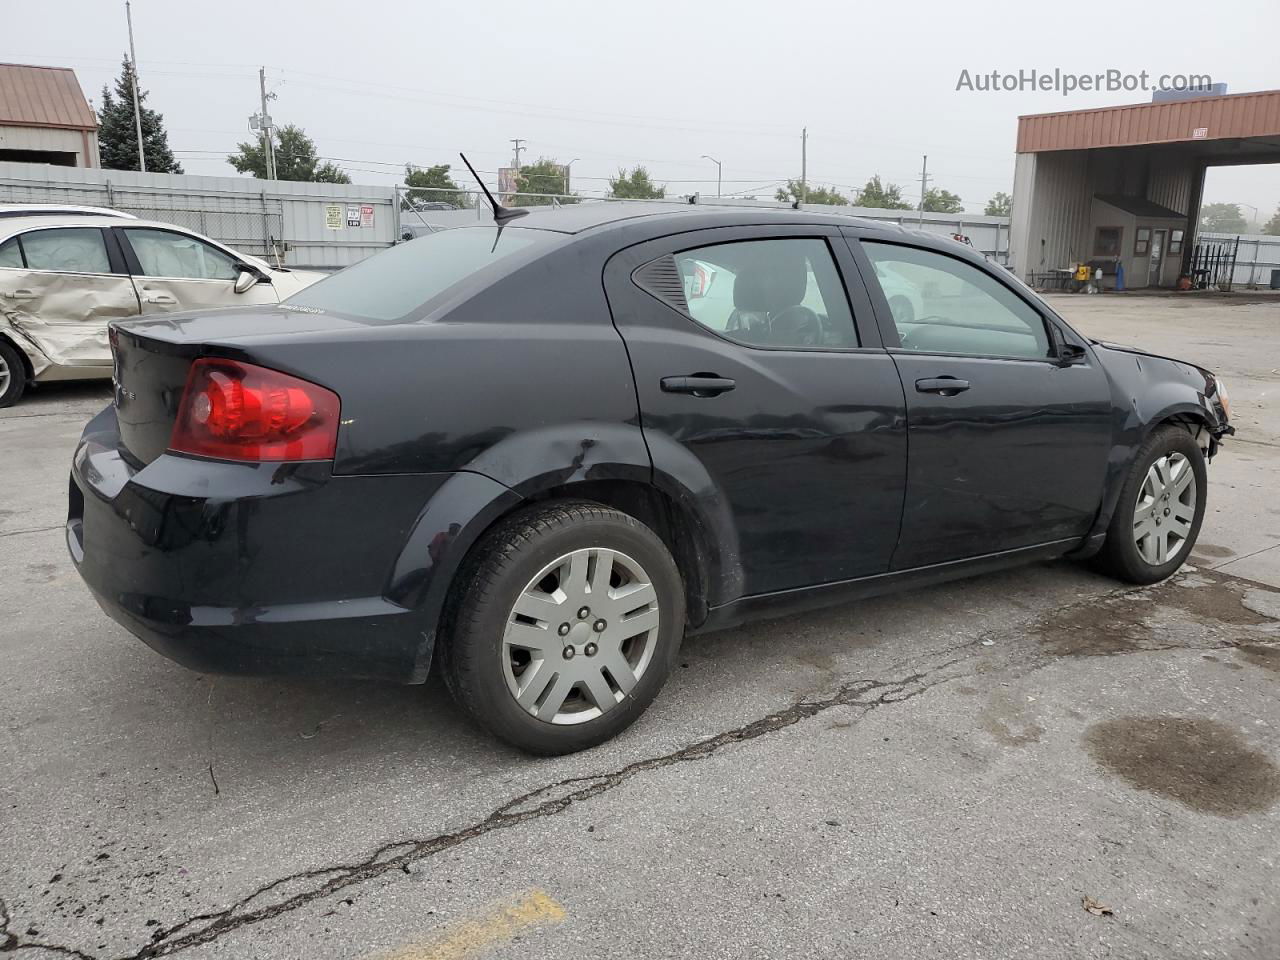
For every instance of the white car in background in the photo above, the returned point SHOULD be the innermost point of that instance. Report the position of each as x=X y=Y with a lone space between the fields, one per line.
x=65 y=276
x=903 y=295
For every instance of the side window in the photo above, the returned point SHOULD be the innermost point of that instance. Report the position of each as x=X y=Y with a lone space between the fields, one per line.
x=67 y=250
x=770 y=293
x=943 y=305
x=11 y=253
x=176 y=255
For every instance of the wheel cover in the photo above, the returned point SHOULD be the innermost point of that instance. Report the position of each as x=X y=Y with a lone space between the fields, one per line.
x=1165 y=510
x=580 y=636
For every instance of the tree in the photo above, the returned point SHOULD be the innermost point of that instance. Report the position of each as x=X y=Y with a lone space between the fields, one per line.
x=545 y=176
x=1222 y=218
x=875 y=194
x=635 y=186
x=1272 y=227
x=295 y=158
x=1001 y=205
x=431 y=185
x=118 y=132
x=827 y=195
x=942 y=201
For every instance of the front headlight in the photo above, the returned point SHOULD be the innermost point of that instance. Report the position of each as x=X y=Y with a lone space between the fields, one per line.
x=1224 y=399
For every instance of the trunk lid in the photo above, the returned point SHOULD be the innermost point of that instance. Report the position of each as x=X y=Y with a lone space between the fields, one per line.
x=152 y=357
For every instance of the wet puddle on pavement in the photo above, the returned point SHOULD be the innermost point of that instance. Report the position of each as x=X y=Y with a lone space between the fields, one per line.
x=1203 y=764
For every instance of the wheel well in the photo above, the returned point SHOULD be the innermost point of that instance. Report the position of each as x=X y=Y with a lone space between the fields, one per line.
x=22 y=355
x=660 y=514
x=1194 y=424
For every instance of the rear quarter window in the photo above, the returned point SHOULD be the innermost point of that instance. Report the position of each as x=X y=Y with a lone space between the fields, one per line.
x=396 y=283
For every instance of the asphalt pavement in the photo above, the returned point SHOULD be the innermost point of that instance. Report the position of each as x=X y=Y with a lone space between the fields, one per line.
x=1039 y=763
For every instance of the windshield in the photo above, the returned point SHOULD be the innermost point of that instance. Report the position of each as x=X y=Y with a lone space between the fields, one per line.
x=398 y=282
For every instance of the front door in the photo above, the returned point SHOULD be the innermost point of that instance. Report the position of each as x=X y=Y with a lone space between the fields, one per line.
x=1157 y=257
x=752 y=374
x=1007 y=447
x=173 y=270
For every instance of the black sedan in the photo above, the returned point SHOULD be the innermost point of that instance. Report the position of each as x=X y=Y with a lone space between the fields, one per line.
x=537 y=454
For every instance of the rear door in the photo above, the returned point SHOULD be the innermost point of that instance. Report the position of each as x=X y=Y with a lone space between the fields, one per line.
x=751 y=357
x=1008 y=445
x=59 y=288
x=173 y=270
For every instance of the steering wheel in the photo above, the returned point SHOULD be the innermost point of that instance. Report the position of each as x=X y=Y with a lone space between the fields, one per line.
x=796 y=326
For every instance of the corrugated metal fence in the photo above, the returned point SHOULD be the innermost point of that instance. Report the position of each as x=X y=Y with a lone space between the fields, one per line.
x=333 y=225
x=304 y=224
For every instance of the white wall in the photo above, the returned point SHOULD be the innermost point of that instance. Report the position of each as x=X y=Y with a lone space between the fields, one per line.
x=47 y=138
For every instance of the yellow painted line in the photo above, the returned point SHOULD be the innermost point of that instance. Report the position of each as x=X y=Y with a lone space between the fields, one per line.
x=500 y=924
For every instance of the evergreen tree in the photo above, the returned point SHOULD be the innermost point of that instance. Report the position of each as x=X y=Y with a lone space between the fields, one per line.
x=118 y=133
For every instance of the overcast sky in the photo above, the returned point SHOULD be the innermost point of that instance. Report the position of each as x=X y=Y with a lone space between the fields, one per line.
x=378 y=83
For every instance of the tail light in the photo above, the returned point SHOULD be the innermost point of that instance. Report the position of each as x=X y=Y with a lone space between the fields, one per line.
x=239 y=411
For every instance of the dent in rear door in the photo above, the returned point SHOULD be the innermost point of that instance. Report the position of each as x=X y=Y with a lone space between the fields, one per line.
x=64 y=313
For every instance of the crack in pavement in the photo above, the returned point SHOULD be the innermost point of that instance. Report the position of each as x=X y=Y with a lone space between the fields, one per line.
x=16 y=533
x=544 y=801
x=559 y=796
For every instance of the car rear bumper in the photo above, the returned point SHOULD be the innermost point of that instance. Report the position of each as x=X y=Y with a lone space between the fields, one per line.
x=255 y=568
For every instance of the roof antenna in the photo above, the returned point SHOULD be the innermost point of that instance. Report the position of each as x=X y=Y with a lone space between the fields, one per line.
x=501 y=214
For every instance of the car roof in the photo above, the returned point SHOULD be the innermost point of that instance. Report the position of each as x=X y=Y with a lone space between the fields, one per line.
x=9 y=210
x=581 y=217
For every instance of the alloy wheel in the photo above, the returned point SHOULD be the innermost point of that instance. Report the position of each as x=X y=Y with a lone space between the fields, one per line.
x=1166 y=509
x=580 y=636
x=5 y=375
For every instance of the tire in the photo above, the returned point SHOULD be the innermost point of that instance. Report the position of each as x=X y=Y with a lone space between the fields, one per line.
x=13 y=375
x=1123 y=554
x=901 y=310
x=515 y=626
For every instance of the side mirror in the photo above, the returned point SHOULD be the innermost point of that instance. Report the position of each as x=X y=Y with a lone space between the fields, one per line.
x=1069 y=353
x=245 y=280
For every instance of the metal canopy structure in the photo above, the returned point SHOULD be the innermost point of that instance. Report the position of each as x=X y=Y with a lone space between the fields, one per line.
x=1146 y=158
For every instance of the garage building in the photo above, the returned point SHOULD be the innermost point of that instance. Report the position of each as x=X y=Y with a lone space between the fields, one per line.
x=45 y=118
x=1120 y=187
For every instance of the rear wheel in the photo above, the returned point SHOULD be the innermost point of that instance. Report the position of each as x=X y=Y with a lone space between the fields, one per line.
x=563 y=627
x=1161 y=506
x=13 y=375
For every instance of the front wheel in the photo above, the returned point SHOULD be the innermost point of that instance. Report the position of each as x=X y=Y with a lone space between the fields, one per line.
x=1161 y=506
x=563 y=627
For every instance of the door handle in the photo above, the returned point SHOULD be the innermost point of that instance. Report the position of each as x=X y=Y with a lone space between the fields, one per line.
x=700 y=385
x=163 y=298
x=21 y=295
x=946 y=386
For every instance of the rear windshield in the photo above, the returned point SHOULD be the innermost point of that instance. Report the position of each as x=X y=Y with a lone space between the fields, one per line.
x=397 y=282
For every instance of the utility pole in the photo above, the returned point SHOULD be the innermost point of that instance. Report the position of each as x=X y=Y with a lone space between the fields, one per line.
x=137 y=104
x=268 y=141
x=804 y=164
x=924 y=186
x=516 y=142
x=719 y=173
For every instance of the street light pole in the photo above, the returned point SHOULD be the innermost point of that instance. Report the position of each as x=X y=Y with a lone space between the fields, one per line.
x=719 y=173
